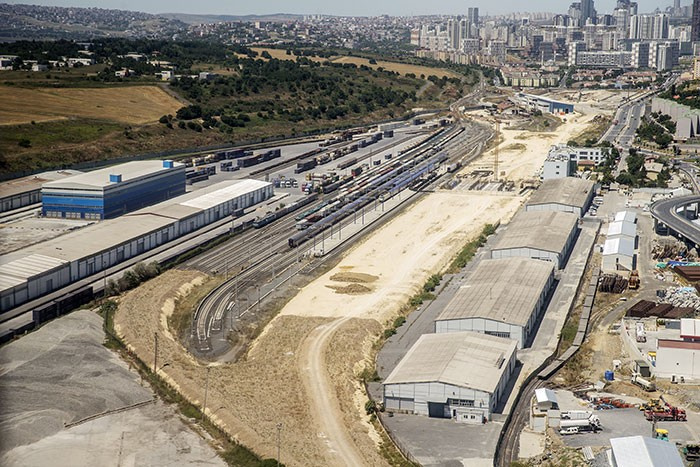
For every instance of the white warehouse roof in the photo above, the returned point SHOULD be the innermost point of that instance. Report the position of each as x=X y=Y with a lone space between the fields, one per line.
x=465 y=359
x=222 y=192
x=623 y=228
x=100 y=178
x=627 y=216
x=640 y=451
x=545 y=395
x=504 y=290
x=619 y=246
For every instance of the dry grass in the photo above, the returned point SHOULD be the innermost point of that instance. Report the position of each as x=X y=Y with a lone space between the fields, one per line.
x=128 y=104
x=281 y=54
x=401 y=68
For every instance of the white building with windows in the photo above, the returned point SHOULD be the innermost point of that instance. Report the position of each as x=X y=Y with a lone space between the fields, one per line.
x=502 y=298
x=460 y=375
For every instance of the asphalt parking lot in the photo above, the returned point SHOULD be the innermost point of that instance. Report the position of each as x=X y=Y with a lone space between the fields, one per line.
x=619 y=423
x=444 y=442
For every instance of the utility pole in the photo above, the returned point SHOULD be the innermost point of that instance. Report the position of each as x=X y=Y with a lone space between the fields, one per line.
x=206 y=394
x=495 y=162
x=155 y=352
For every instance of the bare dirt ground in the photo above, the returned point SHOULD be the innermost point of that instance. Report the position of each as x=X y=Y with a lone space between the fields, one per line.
x=521 y=153
x=302 y=371
x=132 y=104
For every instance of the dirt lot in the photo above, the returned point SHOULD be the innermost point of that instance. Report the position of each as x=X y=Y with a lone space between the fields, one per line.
x=128 y=104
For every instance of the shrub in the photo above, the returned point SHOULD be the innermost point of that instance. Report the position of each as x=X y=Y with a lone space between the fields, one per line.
x=24 y=143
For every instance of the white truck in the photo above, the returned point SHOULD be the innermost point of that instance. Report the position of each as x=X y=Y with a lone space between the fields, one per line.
x=592 y=423
x=576 y=415
x=643 y=383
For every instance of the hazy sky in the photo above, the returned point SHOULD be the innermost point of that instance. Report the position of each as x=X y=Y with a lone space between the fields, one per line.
x=345 y=7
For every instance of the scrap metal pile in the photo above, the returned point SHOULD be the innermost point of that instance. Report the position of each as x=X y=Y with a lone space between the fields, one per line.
x=669 y=248
x=682 y=297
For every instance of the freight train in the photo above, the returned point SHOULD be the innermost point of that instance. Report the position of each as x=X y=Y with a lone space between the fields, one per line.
x=273 y=216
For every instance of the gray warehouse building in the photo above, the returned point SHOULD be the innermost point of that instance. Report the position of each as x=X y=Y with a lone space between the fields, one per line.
x=502 y=298
x=37 y=270
x=461 y=375
x=547 y=235
x=568 y=194
x=113 y=191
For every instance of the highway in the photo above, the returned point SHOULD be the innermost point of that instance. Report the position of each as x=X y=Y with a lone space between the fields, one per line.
x=666 y=212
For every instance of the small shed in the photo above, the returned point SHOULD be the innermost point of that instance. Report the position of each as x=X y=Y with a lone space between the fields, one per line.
x=642 y=367
x=546 y=399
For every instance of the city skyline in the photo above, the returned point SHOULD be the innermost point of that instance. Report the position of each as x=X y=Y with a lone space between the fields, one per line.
x=357 y=8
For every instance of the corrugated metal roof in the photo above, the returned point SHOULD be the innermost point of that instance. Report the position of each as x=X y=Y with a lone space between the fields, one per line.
x=100 y=178
x=541 y=230
x=505 y=290
x=628 y=229
x=222 y=192
x=33 y=182
x=619 y=246
x=545 y=395
x=627 y=216
x=640 y=451
x=690 y=327
x=14 y=272
x=464 y=359
x=570 y=191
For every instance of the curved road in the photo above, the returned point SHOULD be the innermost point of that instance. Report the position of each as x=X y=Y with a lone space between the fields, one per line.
x=665 y=211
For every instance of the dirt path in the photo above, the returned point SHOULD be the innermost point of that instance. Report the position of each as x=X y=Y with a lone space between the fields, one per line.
x=340 y=449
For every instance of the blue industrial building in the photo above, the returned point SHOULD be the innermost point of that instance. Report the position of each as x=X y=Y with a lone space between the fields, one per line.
x=114 y=191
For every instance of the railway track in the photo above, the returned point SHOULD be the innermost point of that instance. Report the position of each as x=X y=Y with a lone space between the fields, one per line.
x=256 y=257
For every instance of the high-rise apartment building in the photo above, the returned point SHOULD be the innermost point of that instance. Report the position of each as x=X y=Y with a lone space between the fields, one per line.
x=473 y=19
x=587 y=12
x=695 y=34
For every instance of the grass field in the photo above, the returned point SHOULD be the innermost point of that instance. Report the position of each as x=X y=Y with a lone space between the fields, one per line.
x=401 y=68
x=130 y=105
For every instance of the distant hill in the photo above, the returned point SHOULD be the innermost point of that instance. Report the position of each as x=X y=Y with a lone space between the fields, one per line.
x=20 y=21
x=204 y=19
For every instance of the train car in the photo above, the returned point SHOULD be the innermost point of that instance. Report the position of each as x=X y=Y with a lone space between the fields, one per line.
x=347 y=163
x=248 y=161
x=304 y=166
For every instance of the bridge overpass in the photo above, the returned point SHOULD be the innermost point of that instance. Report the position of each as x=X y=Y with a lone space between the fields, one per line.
x=675 y=217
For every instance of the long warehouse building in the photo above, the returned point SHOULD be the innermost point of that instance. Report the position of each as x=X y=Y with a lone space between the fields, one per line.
x=113 y=191
x=568 y=194
x=545 y=235
x=502 y=298
x=460 y=375
x=40 y=269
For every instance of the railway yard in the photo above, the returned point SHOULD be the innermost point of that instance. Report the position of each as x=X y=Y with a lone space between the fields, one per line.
x=285 y=310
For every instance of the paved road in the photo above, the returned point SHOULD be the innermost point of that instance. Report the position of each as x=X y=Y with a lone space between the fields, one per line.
x=665 y=211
